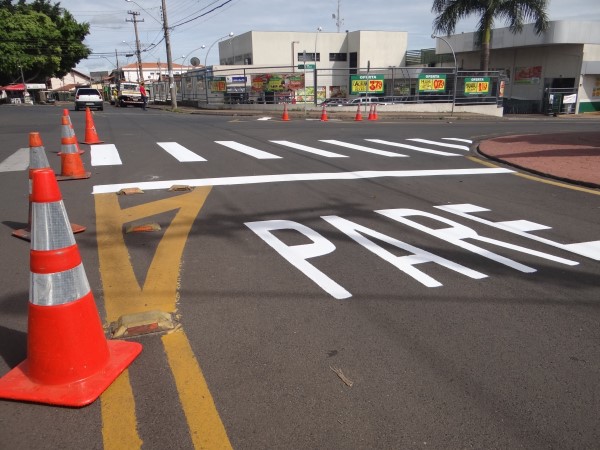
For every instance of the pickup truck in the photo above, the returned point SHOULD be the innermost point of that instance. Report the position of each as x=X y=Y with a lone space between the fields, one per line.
x=129 y=94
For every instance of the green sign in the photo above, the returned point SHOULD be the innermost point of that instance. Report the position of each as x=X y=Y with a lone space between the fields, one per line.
x=371 y=84
x=477 y=85
x=429 y=82
x=306 y=66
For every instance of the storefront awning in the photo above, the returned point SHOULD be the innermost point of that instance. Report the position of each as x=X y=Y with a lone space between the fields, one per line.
x=13 y=87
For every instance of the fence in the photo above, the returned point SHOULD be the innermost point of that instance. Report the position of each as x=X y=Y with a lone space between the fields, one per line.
x=286 y=84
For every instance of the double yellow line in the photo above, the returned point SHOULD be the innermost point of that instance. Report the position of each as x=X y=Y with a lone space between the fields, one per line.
x=124 y=295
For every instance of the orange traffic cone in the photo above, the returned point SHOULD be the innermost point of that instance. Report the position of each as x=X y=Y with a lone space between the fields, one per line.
x=324 y=114
x=71 y=167
x=371 y=114
x=66 y=114
x=37 y=160
x=69 y=361
x=285 y=117
x=375 y=116
x=358 y=116
x=91 y=137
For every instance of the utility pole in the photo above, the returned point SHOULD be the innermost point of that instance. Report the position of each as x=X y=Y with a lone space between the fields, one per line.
x=338 y=20
x=135 y=21
x=169 y=59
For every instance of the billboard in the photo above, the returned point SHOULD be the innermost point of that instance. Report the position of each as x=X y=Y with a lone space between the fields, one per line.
x=430 y=82
x=371 y=84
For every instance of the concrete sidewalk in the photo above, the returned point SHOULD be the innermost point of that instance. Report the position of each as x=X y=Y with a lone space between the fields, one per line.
x=572 y=157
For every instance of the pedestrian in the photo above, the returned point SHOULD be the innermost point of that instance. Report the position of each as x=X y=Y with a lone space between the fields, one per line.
x=144 y=95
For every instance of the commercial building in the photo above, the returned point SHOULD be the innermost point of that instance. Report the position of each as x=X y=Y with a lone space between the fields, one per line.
x=558 y=70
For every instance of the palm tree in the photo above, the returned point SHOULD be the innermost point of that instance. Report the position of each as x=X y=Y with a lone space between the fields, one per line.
x=515 y=12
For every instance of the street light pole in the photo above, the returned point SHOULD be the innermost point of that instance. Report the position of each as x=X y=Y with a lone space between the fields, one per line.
x=206 y=59
x=319 y=29
x=293 y=59
x=433 y=36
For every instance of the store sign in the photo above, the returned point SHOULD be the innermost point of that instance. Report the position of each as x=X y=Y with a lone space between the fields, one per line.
x=235 y=79
x=218 y=84
x=477 y=85
x=371 y=84
x=429 y=82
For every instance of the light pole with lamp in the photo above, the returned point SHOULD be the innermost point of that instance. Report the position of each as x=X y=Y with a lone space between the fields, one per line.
x=293 y=53
x=433 y=36
x=202 y=47
x=206 y=58
x=319 y=29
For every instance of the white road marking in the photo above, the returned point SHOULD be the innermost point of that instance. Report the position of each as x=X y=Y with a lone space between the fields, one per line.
x=179 y=152
x=441 y=144
x=105 y=155
x=256 y=179
x=411 y=147
x=466 y=141
x=250 y=151
x=362 y=148
x=305 y=148
x=19 y=160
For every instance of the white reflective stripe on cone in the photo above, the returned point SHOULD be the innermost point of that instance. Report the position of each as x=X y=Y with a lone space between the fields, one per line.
x=58 y=288
x=37 y=158
x=51 y=229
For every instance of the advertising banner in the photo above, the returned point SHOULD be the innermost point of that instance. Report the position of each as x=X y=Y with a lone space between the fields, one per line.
x=218 y=84
x=596 y=89
x=528 y=75
x=371 y=84
x=269 y=82
x=429 y=82
x=477 y=86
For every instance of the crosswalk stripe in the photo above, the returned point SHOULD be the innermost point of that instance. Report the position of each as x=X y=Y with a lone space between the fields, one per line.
x=411 y=147
x=467 y=141
x=362 y=148
x=179 y=152
x=105 y=155
x=250 y=151
x=305 y=148
x=19 y=160
x=441 y=144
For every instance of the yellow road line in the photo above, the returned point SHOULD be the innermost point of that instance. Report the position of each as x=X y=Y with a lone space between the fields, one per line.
x=123 y=295
x=206 y=428
x=539 y=179
x=119 y=427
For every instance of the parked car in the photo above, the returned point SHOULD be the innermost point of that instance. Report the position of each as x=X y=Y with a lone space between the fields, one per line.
x=88 y=97
x=334 y=102
x=363 y=100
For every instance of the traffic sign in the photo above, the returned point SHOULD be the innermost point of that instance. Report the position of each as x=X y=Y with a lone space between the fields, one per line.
x=306 y=66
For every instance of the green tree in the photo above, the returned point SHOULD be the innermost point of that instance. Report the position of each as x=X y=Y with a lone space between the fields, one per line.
x=515 y=12
x=40 y=39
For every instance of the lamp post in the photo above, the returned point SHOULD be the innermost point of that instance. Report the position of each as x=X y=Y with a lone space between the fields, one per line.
x=202 y=47
x=319 y=29
x=212 y=45
x=206 y=58
x=433 y=36
x=293 y=52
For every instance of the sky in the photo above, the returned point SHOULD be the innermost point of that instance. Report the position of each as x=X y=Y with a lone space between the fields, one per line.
x=193 y=24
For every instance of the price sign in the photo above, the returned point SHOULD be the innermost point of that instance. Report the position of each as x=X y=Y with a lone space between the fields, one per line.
x=477 y=85
x=432 y=82
x=372 y=84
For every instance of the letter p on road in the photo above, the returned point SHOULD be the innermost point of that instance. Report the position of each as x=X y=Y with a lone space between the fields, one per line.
x=297 y=255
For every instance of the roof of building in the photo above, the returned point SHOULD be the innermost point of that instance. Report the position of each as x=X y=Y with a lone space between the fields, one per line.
x=559 y=32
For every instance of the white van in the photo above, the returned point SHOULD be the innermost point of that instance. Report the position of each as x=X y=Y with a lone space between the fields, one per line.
x=363 y=100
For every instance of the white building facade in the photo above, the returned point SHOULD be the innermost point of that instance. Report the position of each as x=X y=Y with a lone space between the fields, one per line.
x=294 y=57
x=565 y=60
